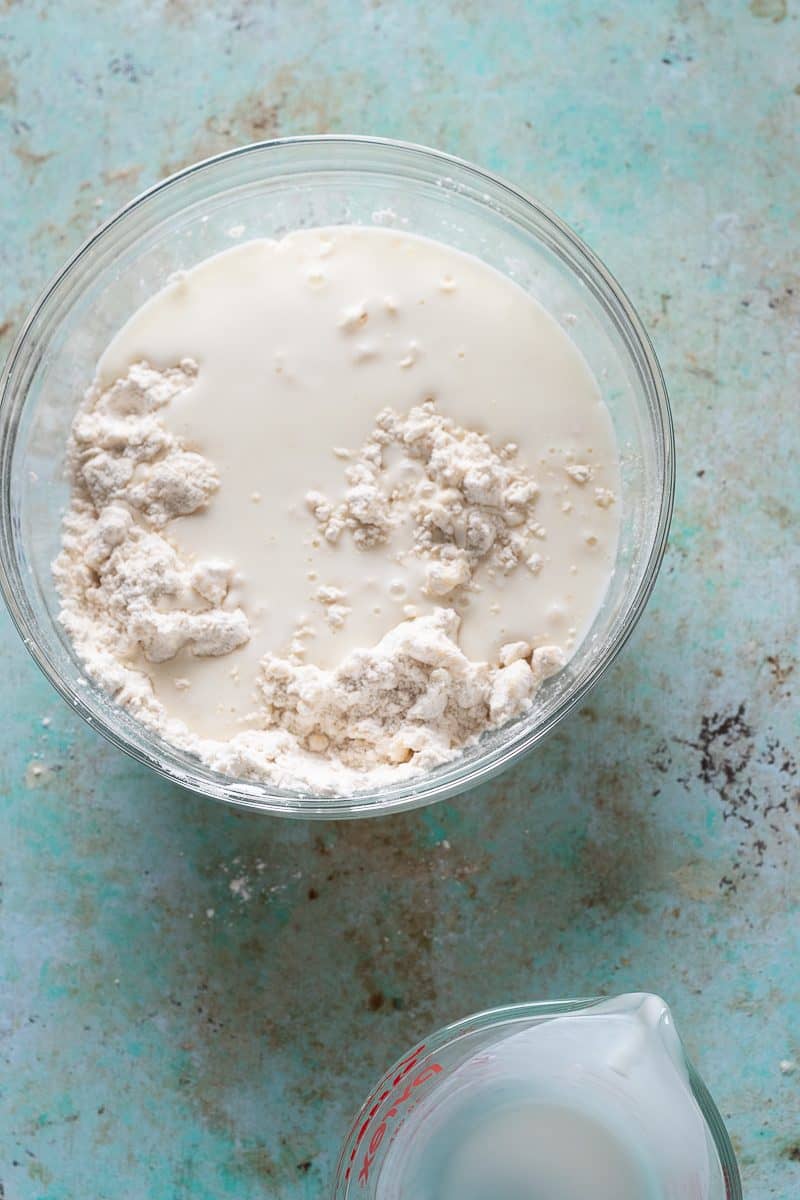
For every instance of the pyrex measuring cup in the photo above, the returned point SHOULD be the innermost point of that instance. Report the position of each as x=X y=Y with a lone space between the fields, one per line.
x=554 y=1100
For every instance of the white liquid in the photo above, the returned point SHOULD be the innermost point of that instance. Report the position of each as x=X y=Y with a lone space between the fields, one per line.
x=543 y=1152
x=283 y=382
x=596 y=1104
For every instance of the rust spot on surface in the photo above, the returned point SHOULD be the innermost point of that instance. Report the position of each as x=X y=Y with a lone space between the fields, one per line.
x=30 y=159
x=255 y=1160
x=616 y=860
x=8 y=86
x=253 y=120
x=12 y=322
x=127 y=174
x=780 y=513
x=781 y=673
x=769 y=10
x=284 y=103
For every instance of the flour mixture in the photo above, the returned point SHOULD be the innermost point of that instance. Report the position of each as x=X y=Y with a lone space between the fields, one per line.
x=341 y=502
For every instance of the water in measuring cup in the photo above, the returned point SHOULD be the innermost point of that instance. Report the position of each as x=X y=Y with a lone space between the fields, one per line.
x=595 y=1104
x=500 y=1148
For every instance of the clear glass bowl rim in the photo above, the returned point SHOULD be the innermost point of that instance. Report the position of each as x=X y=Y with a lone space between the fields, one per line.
x=505 y=1015
x=415 y=793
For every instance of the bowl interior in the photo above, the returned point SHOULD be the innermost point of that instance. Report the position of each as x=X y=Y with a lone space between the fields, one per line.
x=267 y=190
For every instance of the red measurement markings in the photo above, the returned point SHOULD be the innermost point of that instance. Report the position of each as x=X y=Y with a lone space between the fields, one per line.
x=405 y=1067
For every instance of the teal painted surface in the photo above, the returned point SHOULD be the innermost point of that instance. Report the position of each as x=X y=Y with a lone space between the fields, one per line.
x=196 y=1001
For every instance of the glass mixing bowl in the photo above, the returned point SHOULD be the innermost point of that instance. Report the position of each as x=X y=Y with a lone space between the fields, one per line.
x=266 y=190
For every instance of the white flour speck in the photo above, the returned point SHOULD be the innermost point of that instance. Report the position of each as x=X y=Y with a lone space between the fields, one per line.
x=240 y=888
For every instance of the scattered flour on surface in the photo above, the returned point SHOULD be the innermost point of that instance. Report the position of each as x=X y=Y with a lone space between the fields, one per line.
x=240 y=888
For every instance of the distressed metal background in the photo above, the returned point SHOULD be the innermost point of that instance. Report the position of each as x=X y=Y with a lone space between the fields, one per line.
x=196 y=1001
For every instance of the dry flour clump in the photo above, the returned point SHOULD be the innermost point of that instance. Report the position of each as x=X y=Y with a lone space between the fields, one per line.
x=405 y=705
x=470 y=504
x=385 y=712
x=415 y=693
x=124 y=590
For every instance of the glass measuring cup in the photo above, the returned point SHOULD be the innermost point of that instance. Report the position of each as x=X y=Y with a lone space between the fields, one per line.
x=482 y=1106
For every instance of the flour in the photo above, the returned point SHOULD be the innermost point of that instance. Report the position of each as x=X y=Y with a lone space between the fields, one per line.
x=402 y=706
x=124 y=589
x=413 y=697
x=383 y=714
x=470 y=505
